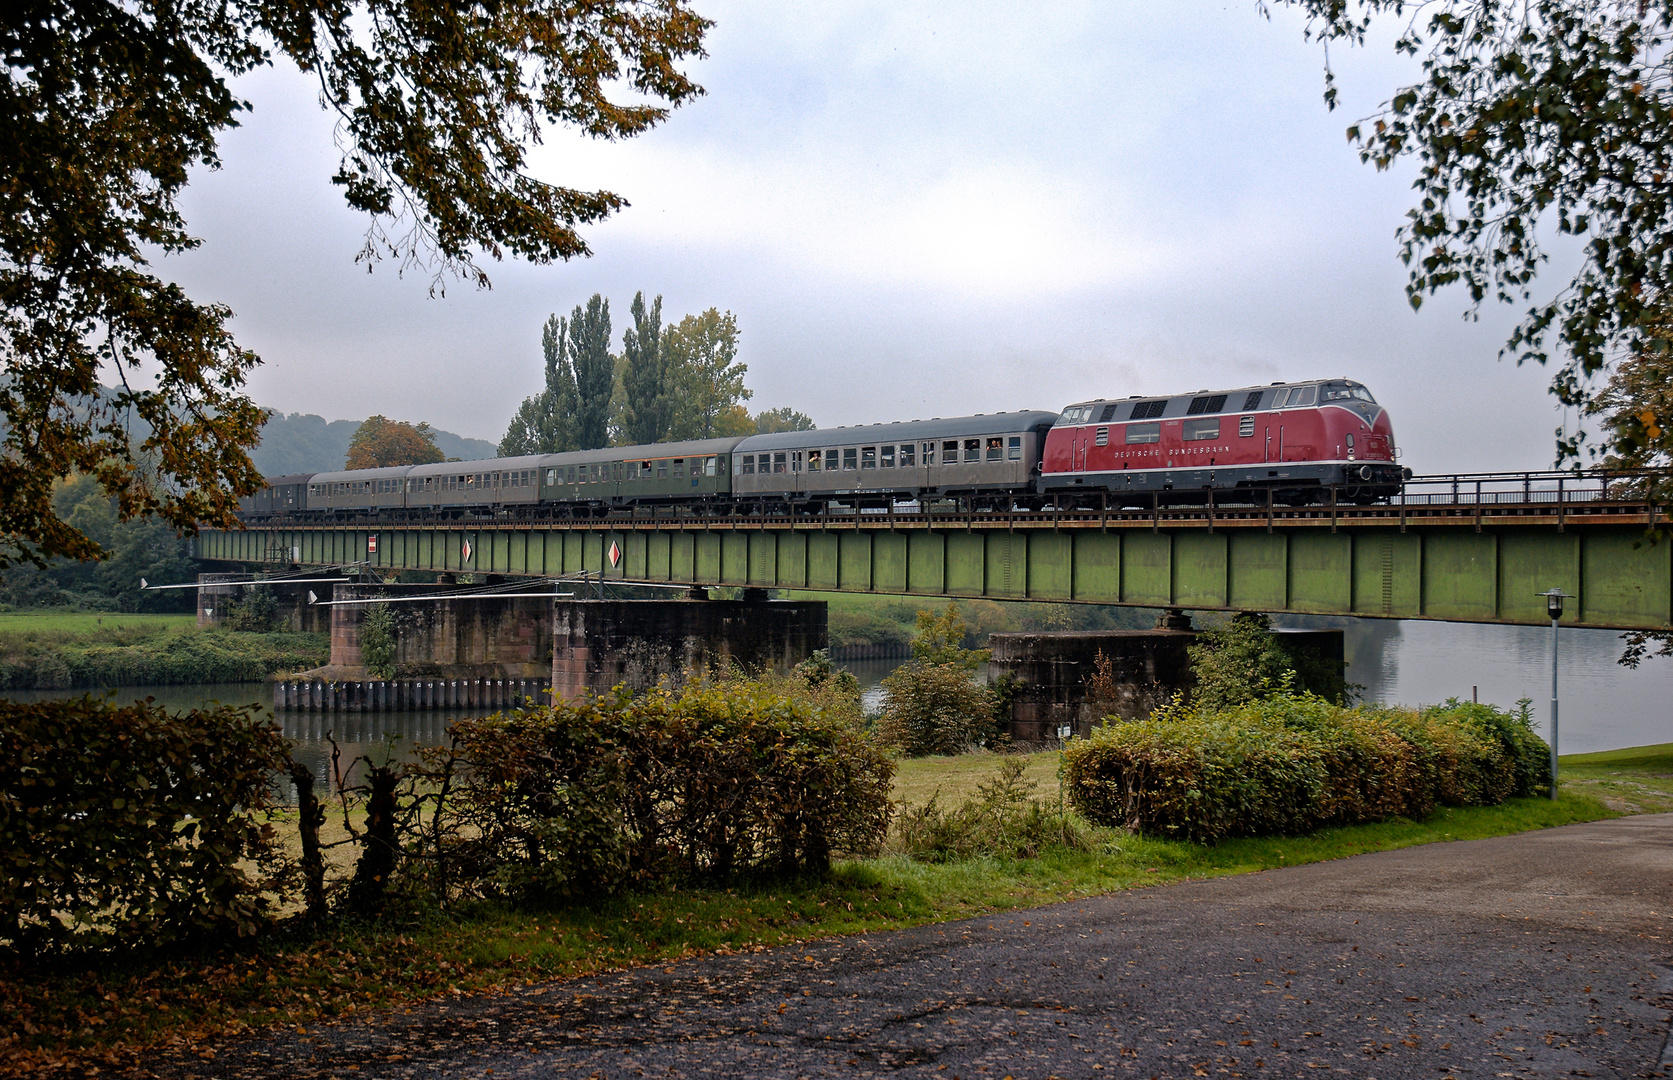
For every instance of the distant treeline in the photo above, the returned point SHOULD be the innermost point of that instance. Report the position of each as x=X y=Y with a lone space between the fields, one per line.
x=305 y=443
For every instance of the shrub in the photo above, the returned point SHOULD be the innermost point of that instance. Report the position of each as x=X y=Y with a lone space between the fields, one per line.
x=1003 y=818
x=130 y=826
x=1243 y=661
x=1291 y=763
x=256 y=613
x=592 y=796
x=936 y=709
x=377 y=641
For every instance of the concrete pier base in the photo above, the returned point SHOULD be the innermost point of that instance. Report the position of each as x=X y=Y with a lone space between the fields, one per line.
x=446 y=639
x=600 y=644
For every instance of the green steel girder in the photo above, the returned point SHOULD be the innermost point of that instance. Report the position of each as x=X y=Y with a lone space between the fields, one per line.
x=1455 y=565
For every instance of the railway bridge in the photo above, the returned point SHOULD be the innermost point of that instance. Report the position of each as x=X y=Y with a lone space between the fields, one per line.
x=1462 y=548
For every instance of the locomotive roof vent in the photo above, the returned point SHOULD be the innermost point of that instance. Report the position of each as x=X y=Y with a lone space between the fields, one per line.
x=1280 y=382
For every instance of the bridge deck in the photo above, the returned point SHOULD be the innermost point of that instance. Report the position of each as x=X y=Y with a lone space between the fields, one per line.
x=1477 y=550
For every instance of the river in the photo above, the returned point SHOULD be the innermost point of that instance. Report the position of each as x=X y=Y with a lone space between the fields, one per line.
x=1604 y=706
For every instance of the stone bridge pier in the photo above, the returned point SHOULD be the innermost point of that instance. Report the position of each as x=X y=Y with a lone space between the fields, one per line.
x=580 y=645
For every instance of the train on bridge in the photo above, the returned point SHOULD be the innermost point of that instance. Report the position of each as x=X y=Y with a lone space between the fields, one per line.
x=1289 y=443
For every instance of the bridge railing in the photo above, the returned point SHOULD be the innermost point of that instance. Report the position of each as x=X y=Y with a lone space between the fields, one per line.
x=1500 y=489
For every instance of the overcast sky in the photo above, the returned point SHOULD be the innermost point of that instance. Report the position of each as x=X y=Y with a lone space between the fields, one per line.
x=914 y=210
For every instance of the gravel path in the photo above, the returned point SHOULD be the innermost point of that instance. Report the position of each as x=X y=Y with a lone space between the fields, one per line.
x=1540 y=955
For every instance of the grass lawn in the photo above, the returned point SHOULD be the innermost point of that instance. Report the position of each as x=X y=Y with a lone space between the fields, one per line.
x=112 y=1013
x=1637 y=780
x=89 y=623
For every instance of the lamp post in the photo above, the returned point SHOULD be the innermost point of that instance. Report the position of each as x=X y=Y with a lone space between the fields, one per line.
x=1554 y=607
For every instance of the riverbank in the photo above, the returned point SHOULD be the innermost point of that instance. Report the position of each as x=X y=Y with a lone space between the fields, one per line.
x=118 y=1013
x=56 y=651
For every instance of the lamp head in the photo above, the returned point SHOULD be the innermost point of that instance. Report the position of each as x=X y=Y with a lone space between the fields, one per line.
x=1554 y=602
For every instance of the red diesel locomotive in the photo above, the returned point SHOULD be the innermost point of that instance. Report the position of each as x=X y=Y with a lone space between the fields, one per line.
x=1291 y=442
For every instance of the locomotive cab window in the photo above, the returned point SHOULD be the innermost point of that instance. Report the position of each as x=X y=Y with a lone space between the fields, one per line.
x=1143 y=433
x=1304 y=395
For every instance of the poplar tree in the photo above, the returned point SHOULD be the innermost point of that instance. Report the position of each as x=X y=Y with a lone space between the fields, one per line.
x=594 y=372
x=648 y=396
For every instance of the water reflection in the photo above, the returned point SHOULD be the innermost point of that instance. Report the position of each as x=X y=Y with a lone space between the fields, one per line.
x=1604 y=705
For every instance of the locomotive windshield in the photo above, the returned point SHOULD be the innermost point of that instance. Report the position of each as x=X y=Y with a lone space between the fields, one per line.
x=1343 y=391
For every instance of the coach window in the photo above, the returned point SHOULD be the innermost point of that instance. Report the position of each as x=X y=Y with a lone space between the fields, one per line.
x=679 y=468
x=795 y=461
x=778 y=463
x=662 y=469
x=749 y=465
x=1199 y=430
x=888 y=458
x=972 y=450
x=830 y=461
x=814 y=460
x=1304 y=395
x=551 y=477
x=908 y=455
x=711 y=466
x=996 y=448
x=850 y=459
x=929 y=453
x=868 y=457
x=1143 y=433
x=1014 y=448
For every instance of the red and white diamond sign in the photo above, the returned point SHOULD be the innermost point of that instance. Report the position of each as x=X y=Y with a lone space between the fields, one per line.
x=615 y=553
x=465 y=551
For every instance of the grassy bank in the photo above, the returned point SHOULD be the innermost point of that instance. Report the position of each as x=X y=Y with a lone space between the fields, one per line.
x=118 y=1012
x=1637 y=780
x=58 y=651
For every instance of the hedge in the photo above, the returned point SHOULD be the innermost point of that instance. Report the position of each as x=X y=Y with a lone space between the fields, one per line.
x=593 y=796
x=1296 y=763
x=129 y=825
